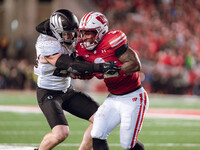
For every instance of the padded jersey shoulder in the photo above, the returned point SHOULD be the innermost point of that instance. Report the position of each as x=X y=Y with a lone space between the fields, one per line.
x=47 y=45
x=114 y=39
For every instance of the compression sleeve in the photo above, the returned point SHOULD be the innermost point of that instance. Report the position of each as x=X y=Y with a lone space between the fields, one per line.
x=121 y=50
x=66 y=62
x=85 y=67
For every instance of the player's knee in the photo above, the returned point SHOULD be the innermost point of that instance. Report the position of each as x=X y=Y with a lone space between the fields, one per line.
x=64 y=136
x=61 y=134
x=97 y=134
x=125 y=146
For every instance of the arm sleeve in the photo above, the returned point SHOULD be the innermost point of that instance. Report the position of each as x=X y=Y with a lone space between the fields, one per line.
x=67 y=62
x=64 y=61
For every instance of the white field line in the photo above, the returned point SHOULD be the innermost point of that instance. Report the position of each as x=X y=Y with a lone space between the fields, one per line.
x=173 y=116
x=20 y=109
x=151 y=113
x=22 y=146
x=189 y=114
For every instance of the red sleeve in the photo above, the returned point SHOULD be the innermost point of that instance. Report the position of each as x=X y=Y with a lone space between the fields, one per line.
x=117 y=39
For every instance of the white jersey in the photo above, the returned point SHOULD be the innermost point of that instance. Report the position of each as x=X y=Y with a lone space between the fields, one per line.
x=46 y=46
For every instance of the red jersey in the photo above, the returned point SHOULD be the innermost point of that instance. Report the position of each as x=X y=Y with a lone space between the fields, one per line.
x=105 y=51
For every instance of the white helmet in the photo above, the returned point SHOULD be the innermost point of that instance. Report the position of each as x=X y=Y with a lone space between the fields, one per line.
x=64 y=21
x=94 y=21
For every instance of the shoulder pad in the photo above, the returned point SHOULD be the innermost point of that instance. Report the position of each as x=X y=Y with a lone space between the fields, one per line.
x=116 y=38
x=47 y=45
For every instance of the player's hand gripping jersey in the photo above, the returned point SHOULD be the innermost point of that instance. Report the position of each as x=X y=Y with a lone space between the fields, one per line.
x=47 y=78
x=112 y=46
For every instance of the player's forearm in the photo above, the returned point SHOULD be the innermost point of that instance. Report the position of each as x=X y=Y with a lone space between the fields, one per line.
x=53 y=58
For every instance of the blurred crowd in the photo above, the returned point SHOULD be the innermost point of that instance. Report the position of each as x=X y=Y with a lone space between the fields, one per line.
x=166 y=35
x=16 y=75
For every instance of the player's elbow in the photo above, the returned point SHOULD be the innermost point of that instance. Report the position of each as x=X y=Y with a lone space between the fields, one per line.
x=134 y=67
x=139 y=66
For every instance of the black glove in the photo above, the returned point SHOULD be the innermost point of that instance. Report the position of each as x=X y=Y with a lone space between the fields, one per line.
x=73 y=71
x=109 y=68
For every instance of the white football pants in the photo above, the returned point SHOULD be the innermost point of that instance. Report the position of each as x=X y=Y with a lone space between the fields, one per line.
x=127 y=110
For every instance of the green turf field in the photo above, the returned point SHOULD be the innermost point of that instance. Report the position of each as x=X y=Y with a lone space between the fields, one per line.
x=27 y=129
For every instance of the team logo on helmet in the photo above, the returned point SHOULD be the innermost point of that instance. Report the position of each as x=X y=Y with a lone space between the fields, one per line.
x=102 y=19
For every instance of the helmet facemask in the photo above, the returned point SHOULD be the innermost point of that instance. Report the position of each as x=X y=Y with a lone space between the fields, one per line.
x=88 y=38
x=94 y=21
x=68 y=37
x=64 y=25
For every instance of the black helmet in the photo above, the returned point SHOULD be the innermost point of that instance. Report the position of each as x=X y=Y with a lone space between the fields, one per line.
x=63 y=21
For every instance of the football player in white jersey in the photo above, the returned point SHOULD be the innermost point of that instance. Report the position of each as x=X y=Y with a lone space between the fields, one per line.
x=54 y=48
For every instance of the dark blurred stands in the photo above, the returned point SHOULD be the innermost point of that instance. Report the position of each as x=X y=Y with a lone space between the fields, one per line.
x=16 y=75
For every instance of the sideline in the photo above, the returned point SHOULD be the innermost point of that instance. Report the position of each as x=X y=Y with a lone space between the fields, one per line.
x=188 y=114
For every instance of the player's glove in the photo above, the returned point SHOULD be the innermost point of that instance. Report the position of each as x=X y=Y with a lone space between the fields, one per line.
x=73 y=71
x=110 y=69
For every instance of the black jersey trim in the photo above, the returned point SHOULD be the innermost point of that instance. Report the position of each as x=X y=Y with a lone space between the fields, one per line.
x=121 y=50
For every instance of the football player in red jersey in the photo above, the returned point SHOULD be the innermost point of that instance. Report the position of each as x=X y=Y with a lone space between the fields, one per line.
x=128 y=101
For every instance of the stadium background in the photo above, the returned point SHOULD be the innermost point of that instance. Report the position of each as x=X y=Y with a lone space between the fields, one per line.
x=165 y=34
